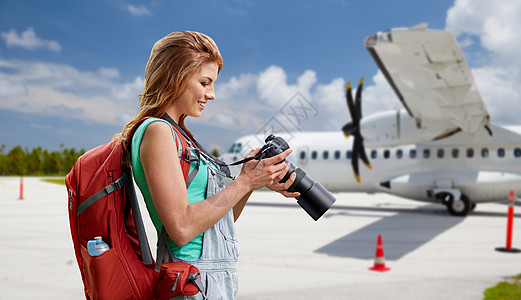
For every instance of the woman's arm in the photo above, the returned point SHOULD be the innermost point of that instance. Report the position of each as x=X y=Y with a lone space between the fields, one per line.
x=183 y=222
x=237 y=209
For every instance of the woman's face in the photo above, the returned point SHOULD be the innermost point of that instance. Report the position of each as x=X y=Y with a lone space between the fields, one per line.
x=200 y=89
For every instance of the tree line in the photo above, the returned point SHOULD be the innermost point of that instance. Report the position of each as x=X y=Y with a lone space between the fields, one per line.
x=38 y=161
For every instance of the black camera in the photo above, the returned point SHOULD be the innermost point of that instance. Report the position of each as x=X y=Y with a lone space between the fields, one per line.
x=314 y=198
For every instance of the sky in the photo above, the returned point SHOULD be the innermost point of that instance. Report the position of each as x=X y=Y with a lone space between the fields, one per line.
x=71 y=71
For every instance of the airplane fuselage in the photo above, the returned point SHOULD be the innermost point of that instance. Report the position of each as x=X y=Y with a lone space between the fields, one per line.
x=482 y=168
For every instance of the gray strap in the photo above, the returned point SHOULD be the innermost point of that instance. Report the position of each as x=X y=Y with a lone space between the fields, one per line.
x=195 y=278
x=142 y=235
x=190 y=158
x=163 y=252
x=116 y=185
x=179 y=144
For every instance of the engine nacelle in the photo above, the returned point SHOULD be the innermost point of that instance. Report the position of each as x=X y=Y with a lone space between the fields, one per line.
x=393 y=128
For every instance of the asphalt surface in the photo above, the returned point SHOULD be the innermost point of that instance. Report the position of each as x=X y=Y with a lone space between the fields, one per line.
x=284 y=253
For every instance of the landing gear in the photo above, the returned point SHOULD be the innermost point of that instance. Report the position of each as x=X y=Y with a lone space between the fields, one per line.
x=459 y=207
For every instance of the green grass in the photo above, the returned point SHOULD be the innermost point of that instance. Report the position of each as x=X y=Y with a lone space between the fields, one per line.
x=54 y=180
x=509 y=289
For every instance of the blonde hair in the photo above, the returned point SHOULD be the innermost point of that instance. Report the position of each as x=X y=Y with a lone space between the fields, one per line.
x=173 y=60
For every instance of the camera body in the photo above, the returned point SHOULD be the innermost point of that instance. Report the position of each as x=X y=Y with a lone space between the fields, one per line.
x=314 y=198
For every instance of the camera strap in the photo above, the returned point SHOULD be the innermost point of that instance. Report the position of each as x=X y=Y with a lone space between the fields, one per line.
x=223 y=166
x=258 y=157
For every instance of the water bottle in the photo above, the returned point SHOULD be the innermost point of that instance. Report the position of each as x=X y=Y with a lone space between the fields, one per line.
x=97 y=246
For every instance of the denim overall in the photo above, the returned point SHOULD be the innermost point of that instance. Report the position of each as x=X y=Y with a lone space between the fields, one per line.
x=220 y=250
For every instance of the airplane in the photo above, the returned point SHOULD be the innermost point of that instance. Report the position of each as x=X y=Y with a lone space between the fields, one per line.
x=441 y=147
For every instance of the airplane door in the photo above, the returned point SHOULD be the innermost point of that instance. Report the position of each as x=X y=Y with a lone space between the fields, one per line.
x=302 y=155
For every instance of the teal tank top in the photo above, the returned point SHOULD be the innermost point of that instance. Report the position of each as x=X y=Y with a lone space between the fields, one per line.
x=196 y=193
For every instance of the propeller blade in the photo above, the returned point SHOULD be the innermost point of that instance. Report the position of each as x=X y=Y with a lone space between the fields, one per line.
x=358 y=98
x=354 y=159
x=363 y=156
x=351 y=105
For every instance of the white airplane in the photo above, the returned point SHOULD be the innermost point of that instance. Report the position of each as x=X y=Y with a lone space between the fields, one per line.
x=440 y=148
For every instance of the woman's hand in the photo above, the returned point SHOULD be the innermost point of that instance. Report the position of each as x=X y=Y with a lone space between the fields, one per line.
x=264 y=173
x=283 y=187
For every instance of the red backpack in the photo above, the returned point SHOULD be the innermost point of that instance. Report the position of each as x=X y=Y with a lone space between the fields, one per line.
x=102 y=202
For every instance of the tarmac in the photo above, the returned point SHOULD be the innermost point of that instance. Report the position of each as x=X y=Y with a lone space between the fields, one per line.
x=285 y=254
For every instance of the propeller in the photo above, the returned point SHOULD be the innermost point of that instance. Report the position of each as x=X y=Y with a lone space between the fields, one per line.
x=353 y=128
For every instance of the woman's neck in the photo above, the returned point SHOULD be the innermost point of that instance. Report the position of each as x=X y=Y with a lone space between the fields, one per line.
x=171 y=111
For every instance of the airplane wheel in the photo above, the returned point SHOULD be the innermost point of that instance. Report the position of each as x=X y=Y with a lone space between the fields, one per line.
x=460 y=207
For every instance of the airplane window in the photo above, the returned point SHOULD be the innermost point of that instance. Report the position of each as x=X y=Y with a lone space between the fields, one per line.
x=314 y=155
x=517 y=152
x=373 y=154
x=232 y=148
x=399 y=153
x=412 y=153
x=387 y=153
x=302 y=155
x=238 y=148
x=348 y=154
x=484 y=152
x=470 y=153
x=337 y=154
x=501 y=152
x=440 y=153
x=455 y=153
x=325 y=154
x=426 y=153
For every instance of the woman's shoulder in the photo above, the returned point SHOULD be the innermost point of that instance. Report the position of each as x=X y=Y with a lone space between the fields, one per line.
x=156 y=128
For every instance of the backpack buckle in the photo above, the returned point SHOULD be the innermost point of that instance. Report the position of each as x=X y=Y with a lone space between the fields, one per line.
x=120 y=182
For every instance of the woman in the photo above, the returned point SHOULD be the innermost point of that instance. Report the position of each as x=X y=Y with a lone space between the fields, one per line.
x=179 y=82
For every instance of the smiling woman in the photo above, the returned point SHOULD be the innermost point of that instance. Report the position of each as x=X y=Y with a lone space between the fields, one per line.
x=183 y=184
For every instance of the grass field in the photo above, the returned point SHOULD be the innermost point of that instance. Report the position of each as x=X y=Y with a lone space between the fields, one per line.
x=55 y=180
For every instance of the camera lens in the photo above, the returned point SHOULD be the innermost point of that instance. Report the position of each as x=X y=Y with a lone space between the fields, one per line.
x=314 y=198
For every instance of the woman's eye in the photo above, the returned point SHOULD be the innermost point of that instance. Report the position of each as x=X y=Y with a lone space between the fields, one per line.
x=205 y=83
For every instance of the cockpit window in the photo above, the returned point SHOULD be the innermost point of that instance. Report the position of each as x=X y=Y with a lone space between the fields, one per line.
x=232 y=148
x=238 y=148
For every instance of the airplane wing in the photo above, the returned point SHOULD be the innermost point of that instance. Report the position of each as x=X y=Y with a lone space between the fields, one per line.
x=429 y=74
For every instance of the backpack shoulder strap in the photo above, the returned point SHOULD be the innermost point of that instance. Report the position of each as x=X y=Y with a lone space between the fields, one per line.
x=180 y=142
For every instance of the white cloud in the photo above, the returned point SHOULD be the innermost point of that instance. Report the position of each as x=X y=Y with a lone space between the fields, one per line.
x=378 y=97
x=224 y=119
x=253 y=100
x=51 y=89
x=139 y=10
x=496 y=23
x=128 y=91
x=274 y=88
x=28 y=40
x=108 y=72
x=499 y=88
x=10 y=89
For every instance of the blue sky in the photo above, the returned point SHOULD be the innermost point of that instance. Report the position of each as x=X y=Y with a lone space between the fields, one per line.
x=71 y=72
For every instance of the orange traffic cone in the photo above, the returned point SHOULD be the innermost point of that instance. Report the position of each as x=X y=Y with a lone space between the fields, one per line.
x=379 y=260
